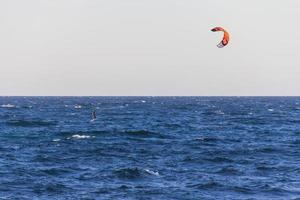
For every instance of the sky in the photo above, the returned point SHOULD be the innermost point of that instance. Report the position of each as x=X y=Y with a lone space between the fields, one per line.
x=142 y=47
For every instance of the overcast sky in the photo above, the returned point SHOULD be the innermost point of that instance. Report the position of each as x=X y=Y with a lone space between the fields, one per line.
x=149 y=47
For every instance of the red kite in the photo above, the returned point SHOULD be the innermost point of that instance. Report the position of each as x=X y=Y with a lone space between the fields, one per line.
x=225 y=39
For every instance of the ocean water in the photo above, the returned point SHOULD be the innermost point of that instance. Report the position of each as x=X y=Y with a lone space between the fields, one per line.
x=150 y=148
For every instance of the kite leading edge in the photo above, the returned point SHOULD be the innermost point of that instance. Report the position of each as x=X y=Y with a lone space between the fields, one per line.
x=225 y=39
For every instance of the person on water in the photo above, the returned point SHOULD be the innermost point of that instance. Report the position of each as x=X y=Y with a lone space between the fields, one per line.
x=94 y=115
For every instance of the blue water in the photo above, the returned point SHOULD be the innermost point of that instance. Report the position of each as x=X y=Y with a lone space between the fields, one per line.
x=150 y=148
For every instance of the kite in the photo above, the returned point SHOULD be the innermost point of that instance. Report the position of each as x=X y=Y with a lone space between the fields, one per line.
x=225 y=39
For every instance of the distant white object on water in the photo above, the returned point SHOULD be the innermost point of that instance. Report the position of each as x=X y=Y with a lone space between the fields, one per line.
x=8 y=106
x=80 y=136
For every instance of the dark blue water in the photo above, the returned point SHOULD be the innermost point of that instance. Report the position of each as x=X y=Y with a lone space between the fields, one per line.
x=150 y=148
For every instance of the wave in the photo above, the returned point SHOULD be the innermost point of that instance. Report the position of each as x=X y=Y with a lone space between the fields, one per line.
x=265 y=168
x=271 y=189
x=140 y=101
x=81 y=133
x=229 y=171
x=267 y=149
x=207 y=185
x=8 y=106
x=132 y=135
x=172 y=125
x=152 y=172
x=138 y=133
x=41 y=158
x=296 y=141
x=129 y=173
x=134 y=173
x=55 y=188
x=55 y=171
x=241 y=189
x=220 y=160
x=30 y=123
x=219 y=112
x=27 y=107
x=76 y=136
x=143 y=134
x=207 y=139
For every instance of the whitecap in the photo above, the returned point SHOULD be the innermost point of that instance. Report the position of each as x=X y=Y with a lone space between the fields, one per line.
x=219 y=112
x=270 y=109
x=200 y=138
x=81 y=136
x=152 y=172
x=77 y=106
x=8 y=106
x=56 y=140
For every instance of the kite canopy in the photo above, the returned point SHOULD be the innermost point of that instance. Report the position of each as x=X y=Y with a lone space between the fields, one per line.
x=225 y=39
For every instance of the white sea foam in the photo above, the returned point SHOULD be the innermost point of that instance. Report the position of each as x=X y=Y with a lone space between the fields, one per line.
x=200 y=138
x=8 y=106
x=270 y=109
x=76 y=136
x=140 y=101
x=152 y=172
x=219 y=112
x=77 y=106
x=56 y=140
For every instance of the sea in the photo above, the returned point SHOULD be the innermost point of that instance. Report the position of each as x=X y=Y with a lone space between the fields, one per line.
x=149 y=148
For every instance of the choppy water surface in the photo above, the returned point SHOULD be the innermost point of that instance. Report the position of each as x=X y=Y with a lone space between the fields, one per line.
x=150 y=148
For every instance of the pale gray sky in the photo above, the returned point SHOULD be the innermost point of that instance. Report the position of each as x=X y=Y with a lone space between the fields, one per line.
x=149 y=47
